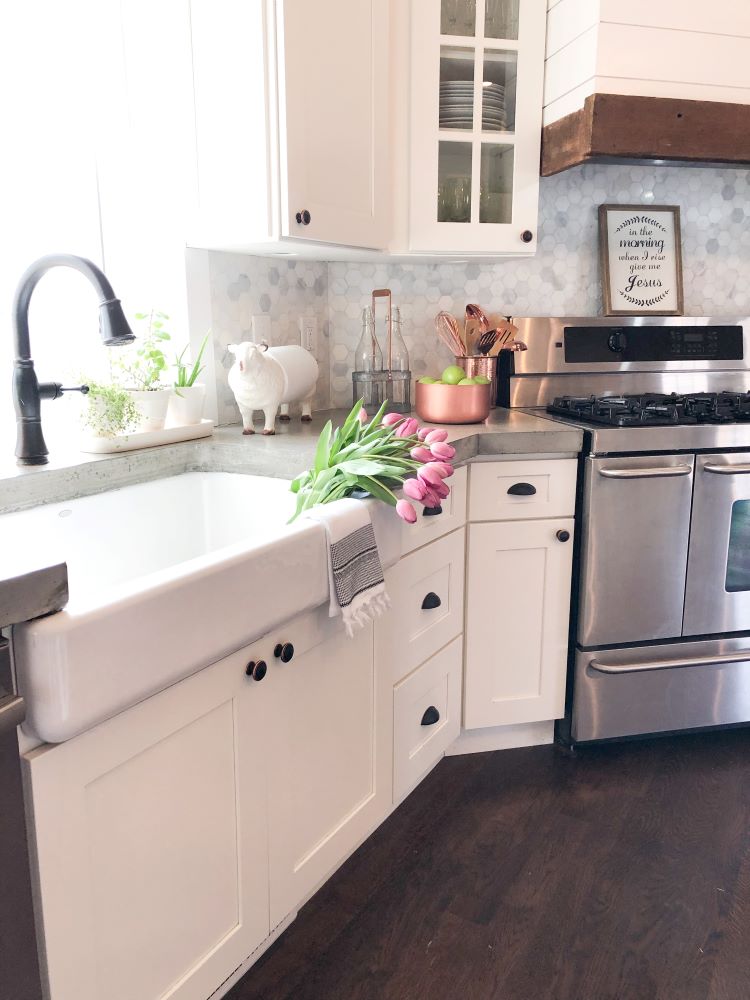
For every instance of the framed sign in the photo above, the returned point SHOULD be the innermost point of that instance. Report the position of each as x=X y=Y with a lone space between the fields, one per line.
x=641 y=260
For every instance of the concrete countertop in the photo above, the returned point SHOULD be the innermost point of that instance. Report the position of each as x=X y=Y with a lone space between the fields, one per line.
x=291 y=450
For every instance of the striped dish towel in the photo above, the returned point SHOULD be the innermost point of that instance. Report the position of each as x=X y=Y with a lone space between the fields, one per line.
x=355 y=576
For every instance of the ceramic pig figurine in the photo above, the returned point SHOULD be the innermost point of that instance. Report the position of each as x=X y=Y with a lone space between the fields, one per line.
x=266 y=378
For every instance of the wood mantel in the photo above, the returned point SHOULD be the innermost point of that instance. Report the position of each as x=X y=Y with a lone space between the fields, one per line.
x=647 y=128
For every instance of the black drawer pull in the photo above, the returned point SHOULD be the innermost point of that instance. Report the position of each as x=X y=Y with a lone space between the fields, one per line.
x=256 y=670
x=284 y=651
x=431 y=716
x=432 y=511
x=431 y=602
x=521 y=490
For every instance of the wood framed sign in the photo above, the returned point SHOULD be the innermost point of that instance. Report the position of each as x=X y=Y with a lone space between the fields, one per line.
x=641 y=260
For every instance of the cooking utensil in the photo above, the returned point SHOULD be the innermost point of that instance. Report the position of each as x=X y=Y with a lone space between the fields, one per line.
x=447 y=327
x=486 y=341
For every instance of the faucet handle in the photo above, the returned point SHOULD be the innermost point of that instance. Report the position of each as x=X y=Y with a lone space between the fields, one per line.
x=83 y=389
x=53 y=390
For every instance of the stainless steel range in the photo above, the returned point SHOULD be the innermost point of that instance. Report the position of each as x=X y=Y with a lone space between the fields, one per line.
x=662 y=621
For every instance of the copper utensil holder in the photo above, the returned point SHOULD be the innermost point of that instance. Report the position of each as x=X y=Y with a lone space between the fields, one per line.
x=481 y=365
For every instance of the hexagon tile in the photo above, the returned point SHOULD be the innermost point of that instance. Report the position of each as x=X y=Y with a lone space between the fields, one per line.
x=561 y=279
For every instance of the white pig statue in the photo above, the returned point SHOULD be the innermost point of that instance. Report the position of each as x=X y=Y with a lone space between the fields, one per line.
x=266 y=378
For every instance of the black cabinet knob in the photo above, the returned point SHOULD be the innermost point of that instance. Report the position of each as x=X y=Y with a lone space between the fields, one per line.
x=303 y=218
x=562 y=536
x=527 y=236
x=256 y=670
x=521 y=490
x=432 y=511
x=431 y=716
x=284 y=651
x=431 y=601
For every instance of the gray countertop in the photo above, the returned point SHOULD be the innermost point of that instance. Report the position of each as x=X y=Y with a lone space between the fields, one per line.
x=282 y=455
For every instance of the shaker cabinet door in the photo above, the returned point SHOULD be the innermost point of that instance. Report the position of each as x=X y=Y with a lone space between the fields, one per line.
x=333 y=116
x=517 y=610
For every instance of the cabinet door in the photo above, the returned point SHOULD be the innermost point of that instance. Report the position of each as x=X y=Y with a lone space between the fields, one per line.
x=333 y=94
x=477 y=70
x=329 y=755
x=517 y=609
x=151 y=843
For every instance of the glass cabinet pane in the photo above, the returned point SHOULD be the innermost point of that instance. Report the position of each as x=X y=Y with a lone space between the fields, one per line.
x=496 y=183
x=454 y=182
x=456 y=88
x=499 y=91
x=501 y=19
x=458 y=17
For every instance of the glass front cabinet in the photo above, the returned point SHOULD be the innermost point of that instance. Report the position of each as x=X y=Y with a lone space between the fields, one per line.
x=477 y=72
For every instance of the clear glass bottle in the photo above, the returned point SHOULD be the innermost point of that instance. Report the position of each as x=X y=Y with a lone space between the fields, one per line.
x=368 y=380
x=397 y=363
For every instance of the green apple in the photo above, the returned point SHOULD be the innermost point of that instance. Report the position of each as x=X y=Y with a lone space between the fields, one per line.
x=427 y=380
x=482 y=380
x=468 y=381
x=452 y=375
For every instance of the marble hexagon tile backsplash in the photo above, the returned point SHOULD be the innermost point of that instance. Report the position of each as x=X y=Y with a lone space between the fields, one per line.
x=561 y=279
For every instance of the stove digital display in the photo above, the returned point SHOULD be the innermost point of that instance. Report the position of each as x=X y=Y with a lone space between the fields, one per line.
x=591 y=344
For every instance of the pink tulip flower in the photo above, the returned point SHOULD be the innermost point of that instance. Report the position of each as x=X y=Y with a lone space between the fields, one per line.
x=421 y=454
x=406 y=512
x=391 y=419
x=436 y=435
x=407 y=428
x=431 y=499
x=430 y=473
x=441 y=489
x=423 y=432
x=362 y=415
x=415 y=489
x=445 y=469
x=442 y=450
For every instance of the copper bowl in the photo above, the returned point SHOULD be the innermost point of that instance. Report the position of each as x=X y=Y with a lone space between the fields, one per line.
x=453 y=404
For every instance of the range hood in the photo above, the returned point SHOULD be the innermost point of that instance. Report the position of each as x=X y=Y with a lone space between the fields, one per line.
x=646 y=81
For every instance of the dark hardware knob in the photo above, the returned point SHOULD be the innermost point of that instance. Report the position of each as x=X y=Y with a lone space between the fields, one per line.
x=284 y=651
x=53 y=390
x=256 y=670
x=431 y=716
x=303 y=218
x=527 y=236
x=563 y=536
x=521 y=490
x=431 y=601
x=617 y=342
x=432 y=511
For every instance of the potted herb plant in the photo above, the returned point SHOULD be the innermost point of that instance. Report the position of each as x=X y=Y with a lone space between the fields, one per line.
x=188 y=395
x=109 y=411
x=141 y=368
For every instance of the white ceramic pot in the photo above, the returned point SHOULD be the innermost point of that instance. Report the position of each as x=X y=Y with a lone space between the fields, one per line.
x=186 y=405
x=152 y=406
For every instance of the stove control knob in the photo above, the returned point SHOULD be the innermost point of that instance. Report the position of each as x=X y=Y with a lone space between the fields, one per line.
x=562 y=536
x=617 y=342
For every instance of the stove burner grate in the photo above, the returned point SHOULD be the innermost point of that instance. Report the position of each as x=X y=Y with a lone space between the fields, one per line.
x=655 y=409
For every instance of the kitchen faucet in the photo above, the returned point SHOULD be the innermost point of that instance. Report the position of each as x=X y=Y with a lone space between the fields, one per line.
x=28 y=392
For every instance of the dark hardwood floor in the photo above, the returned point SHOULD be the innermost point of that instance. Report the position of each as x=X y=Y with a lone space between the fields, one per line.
x=622 y=873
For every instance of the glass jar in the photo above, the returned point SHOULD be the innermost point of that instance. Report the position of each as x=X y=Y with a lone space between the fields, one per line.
x=397 y=363
x=367 y=378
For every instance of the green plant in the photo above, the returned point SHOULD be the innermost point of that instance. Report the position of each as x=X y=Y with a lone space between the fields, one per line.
x=185 y=379
x=109 y=410
x=142 y=365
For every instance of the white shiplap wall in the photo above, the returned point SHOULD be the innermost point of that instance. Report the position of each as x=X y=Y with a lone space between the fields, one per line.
x=670 y=48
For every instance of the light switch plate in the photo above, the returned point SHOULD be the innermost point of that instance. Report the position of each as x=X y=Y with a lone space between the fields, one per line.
x=308 y=328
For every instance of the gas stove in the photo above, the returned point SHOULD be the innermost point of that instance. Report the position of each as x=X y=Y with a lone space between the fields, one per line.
x=655 y=409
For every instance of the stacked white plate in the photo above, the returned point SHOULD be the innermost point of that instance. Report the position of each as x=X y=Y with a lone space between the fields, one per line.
x=457 y=105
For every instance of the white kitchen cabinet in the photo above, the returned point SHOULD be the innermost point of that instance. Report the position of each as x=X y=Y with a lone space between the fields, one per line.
x=477 y=70
x=291 y=117
x=328 y=754
x=517 y=610
x=151 y=843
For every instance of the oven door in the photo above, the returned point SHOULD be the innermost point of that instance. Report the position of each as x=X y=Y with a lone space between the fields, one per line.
x=717 y=596
x=634 y=553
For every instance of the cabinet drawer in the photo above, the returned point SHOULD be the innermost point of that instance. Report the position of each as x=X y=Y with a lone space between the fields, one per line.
x=513 y=491
x=426 y=717
x=427 y=605
x=452 y=516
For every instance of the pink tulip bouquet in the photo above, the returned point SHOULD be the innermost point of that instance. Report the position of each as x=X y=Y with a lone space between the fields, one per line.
x=388 y=453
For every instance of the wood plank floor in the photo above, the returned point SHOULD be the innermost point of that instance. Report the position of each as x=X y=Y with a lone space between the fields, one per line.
x=622 y=873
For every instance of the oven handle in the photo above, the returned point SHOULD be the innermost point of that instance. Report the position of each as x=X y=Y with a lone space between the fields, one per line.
x=740 y=656
x=668 y=470
x=728 y=470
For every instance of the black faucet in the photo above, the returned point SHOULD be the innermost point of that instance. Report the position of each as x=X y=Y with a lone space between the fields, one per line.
x=27 y=391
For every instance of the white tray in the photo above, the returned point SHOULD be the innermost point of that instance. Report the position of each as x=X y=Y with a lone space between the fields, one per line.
x=146 y=439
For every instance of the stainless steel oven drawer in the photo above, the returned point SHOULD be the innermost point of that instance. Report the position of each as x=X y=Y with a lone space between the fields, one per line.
x=656 y=689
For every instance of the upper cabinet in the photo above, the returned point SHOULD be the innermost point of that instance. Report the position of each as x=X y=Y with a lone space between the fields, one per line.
x=476 y=103
x=291 y=123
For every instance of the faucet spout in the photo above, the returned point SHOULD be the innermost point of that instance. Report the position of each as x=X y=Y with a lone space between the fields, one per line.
x=27 y=393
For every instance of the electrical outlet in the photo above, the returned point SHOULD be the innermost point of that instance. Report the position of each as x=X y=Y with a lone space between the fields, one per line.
x=262 y=328
x=308 y=328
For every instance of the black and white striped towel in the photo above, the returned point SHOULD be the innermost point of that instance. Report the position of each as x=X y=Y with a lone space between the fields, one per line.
x=355 y=576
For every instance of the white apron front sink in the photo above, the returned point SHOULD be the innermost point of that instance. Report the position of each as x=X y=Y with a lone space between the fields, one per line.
x=165 y=577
